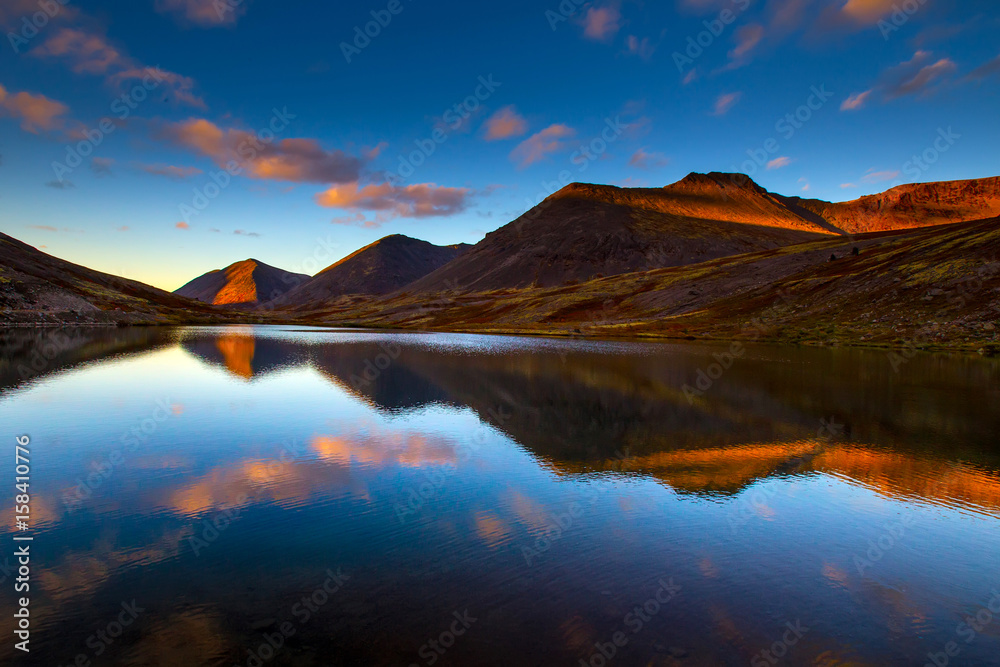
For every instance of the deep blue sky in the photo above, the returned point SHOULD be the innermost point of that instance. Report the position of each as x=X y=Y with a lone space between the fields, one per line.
x=319 y=189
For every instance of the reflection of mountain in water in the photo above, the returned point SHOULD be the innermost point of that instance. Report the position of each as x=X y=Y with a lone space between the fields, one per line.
x=31 y=353
x=582 y=411
x=244 y=355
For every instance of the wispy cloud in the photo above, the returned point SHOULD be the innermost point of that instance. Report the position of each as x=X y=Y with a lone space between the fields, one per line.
x=779 y=162
x=243 y=232
x=506 y=123
x=725 y=102
x=91 y=53
x=643 y=160
x=101 y=165
x=856 y=100
x=170 y=171
x=204 y=13
x=986 y=70
x=602 y=23
x=643 y=48
x=552 y=139
x=873 y=177
x=60 y=185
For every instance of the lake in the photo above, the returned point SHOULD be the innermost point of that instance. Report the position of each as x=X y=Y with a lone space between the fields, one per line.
x=294 y=496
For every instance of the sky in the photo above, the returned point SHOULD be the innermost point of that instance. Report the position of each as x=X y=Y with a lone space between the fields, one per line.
x=160 y=139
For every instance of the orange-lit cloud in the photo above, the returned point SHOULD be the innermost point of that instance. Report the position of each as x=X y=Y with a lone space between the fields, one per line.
x=867 y=11
x=505 y=124
x=170 y=171
x=294 y=160
x=602 y=23
x=204 y=13
x=725 y=102
x=182 y=225
x=37 y=113
x=13 y=12
x=779 y=162
x=411 y=201
x=552 y=139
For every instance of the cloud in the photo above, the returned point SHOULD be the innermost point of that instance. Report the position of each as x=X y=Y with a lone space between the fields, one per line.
x=986 y=70
x=290 y=160
x=91 y=53
x=204 y=13
x=867 y=11
x=602 y=23
x=856 y=101
x=550 y=140
x=124 y=228
x=506 y=123
x=725 y=102
x=36 y=112
x=182 y=225
x=60 y=185
x=44 y=228
x=922 y=80
x=642 y=48
x=241 y=232
x=412 y=201
x=13 y=12
x=779 y=162
x=879 y=176
x=806 y=187
x=101 y=165
x=847 y=186
x=643 y=160
x=747 y=39
x=920 y=75
x=170 y=171
x=373 y=153
x=691 y=76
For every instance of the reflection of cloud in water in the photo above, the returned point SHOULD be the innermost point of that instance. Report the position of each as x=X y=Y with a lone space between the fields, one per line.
x=492 y=529
x=380 y=450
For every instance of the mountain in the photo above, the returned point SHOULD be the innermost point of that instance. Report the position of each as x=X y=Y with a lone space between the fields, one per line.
x=585 y=231
x=36 y=288
x=245 y=283
x=909 y=206
x=385 y=266
x=933 y=286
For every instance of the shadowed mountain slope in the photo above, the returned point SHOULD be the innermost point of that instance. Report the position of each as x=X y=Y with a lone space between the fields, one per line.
x=38 y=288
x=382 y=267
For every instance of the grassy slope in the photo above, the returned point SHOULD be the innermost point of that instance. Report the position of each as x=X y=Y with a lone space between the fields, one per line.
x=930 y=287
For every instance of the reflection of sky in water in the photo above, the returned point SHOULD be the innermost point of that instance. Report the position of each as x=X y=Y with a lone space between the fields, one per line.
x=433 y=505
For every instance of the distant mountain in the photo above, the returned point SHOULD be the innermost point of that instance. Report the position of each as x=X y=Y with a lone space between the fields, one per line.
x=245 y=283
x=585 y=230
x=385 y=266
x=910 y=206
x=37 y=288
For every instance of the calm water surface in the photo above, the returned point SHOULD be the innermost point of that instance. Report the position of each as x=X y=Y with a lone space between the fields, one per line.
x=378 y=499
